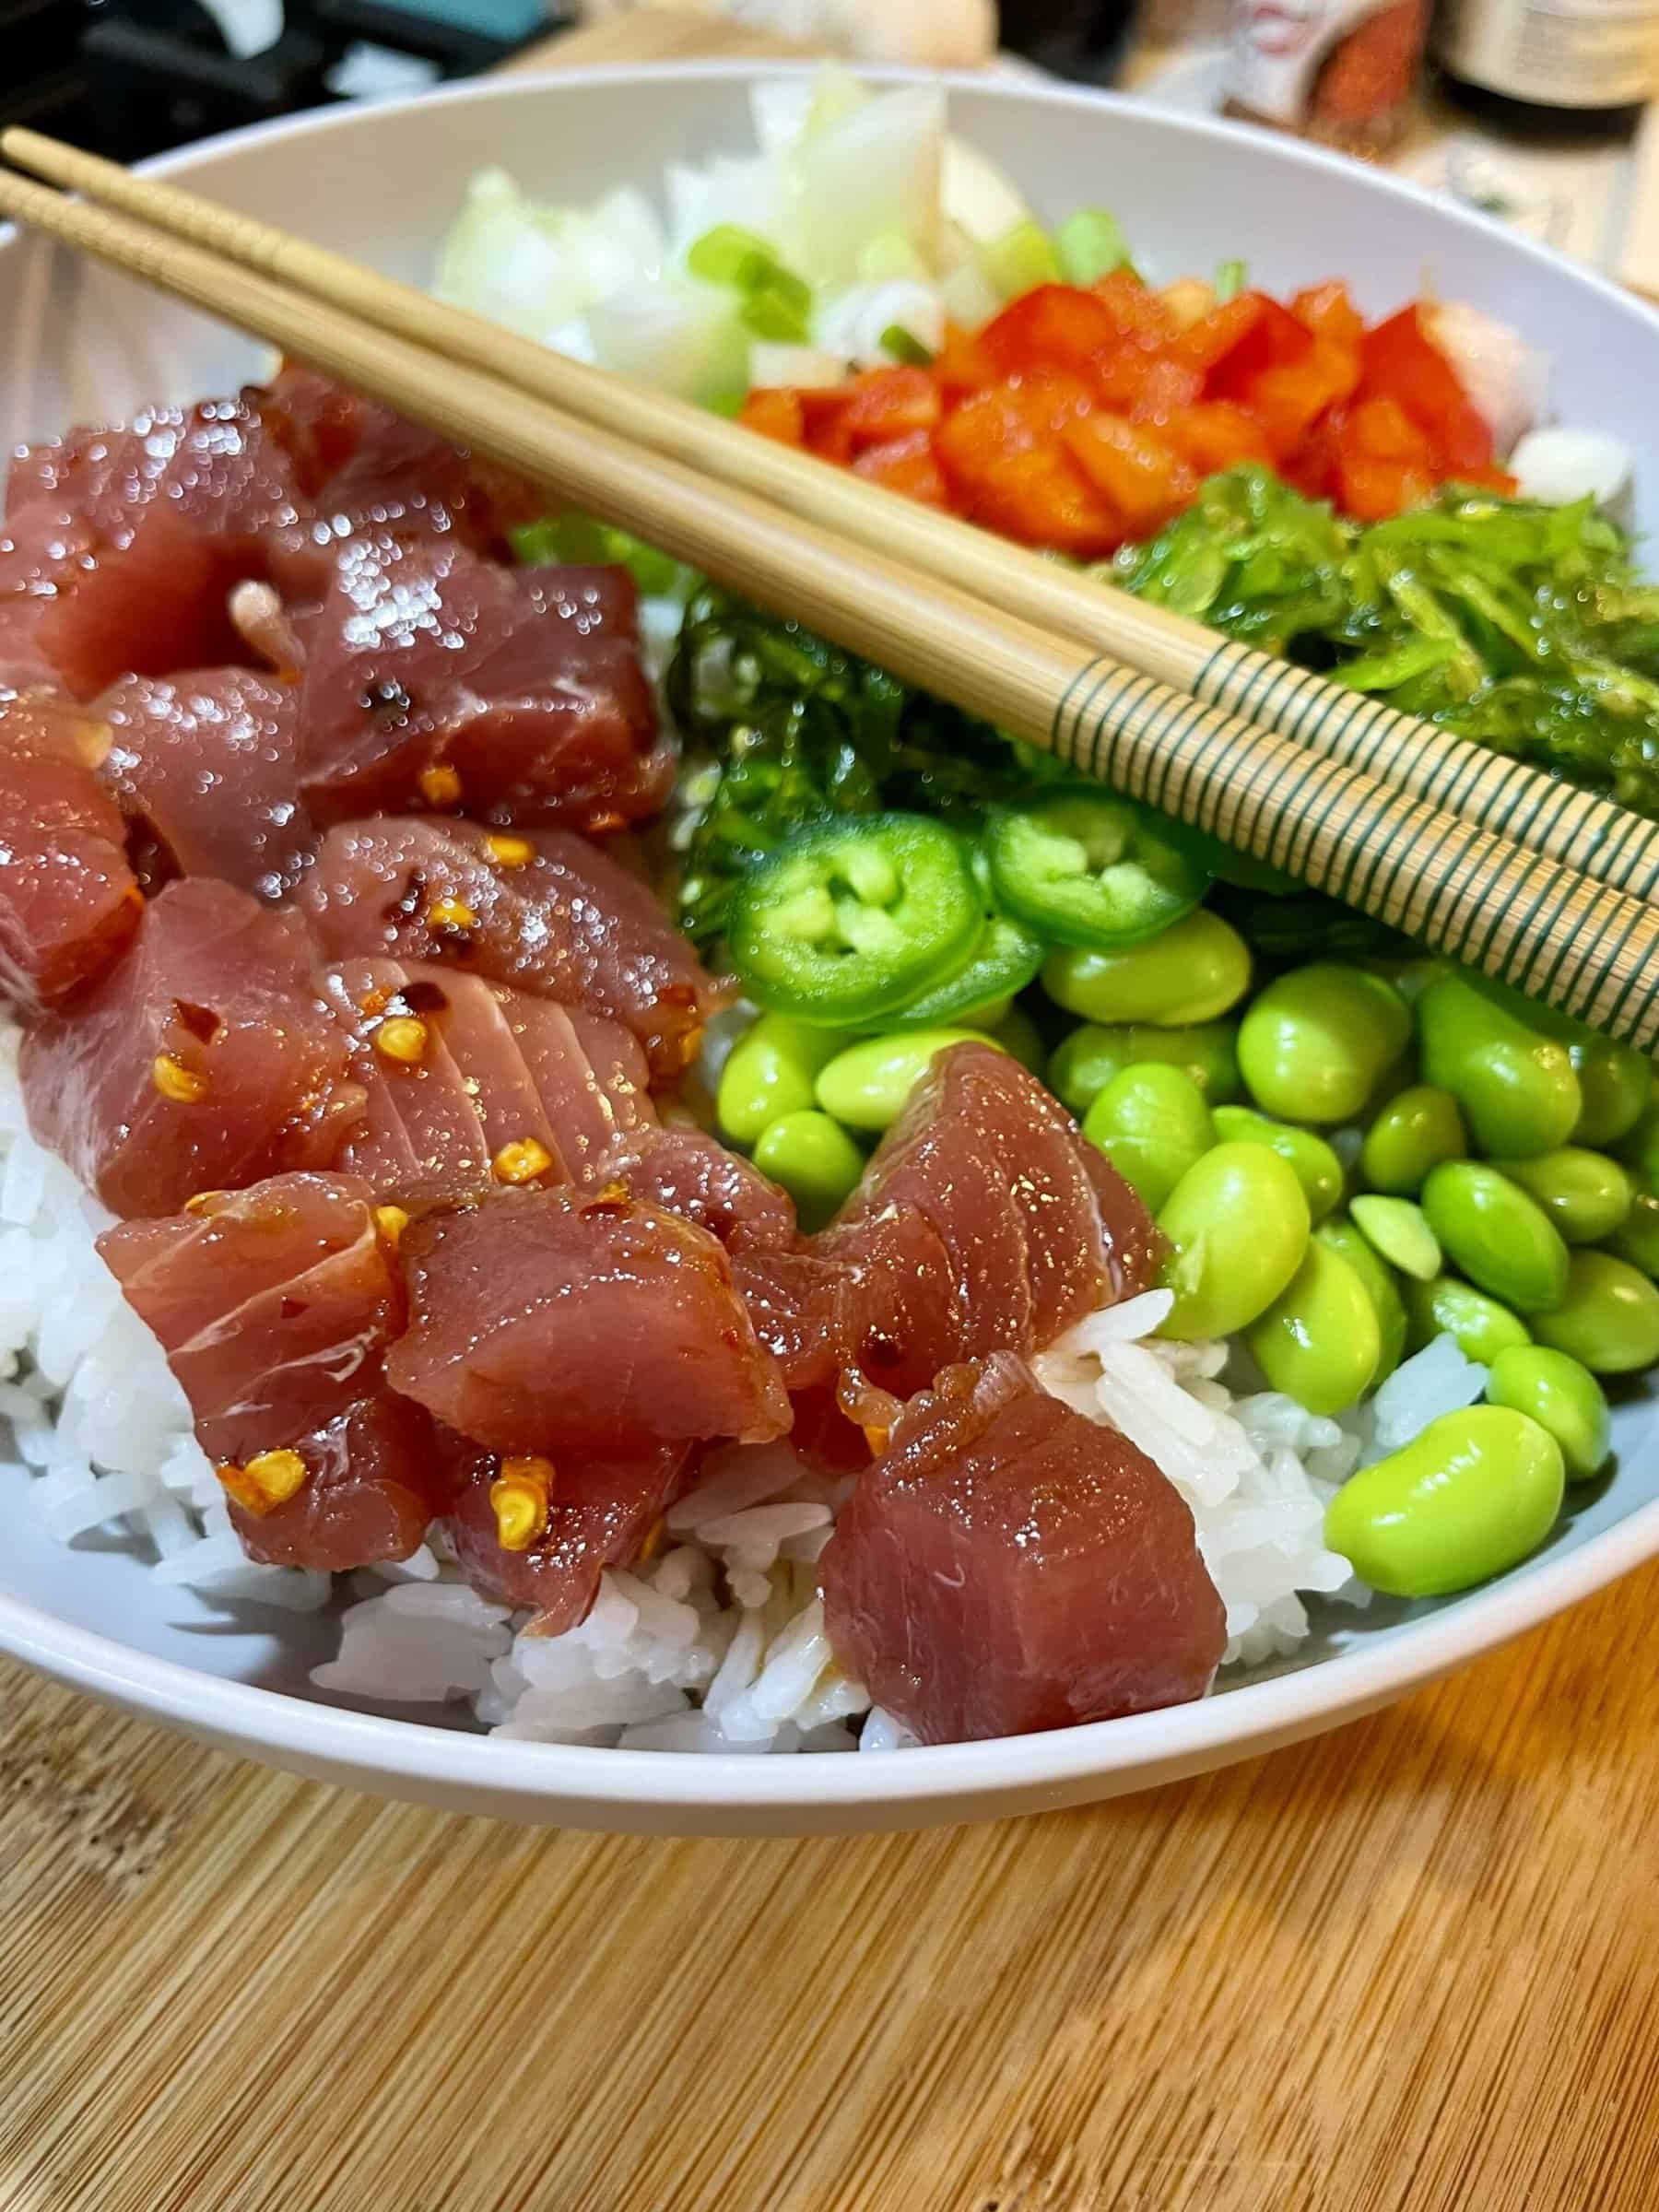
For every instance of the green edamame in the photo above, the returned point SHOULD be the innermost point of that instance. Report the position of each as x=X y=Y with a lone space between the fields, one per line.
x=1517 y=1089
x=1084 y=1063
x=1608 y=1316
x=1497 y=1234
x=1637 y=1237
x=1315 y=1166
x=1019 y=1036
x=866 y=1087
x=1616 y=1082
x=814 y=1159
x=771 y=1070
x=1320 y=1341
x=1189 y=973
x=1318 y=1040
x=1238 y=1227
x=1561 y=1394
x=1586 y=1195
x=1400 y=1233
x=1415 y=1130
x=1472 y=1495
x=1638 y=1147
x=1340 y=1236
x=1479 y=1326
x=1152 y=1123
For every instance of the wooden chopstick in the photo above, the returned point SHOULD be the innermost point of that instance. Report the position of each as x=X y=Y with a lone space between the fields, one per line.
x=1535 y=922
x=1587 y=830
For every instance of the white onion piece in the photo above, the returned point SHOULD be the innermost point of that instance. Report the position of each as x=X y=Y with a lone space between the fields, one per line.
x=1561 y=465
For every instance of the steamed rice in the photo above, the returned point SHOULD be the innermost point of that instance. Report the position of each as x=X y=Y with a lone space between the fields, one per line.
x=718 y=1643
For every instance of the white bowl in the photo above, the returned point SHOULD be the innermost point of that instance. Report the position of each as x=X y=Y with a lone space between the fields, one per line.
x=382 y=184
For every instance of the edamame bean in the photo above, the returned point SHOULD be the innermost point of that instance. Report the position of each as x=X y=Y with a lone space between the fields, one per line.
x=1190 y=972
x=1616 y=1082
x=770 y=1071
x=1400 y=1233
x=1315 y=1042
x=1315 y=1166
x=1608 y=1317
x=1637 y=1237
x=866 y=1087
x=1586 y=1195
x=1561 y=1394
x=1084 y=1063
x=1415 y=1130
x=1499 y=1235
x=1340 y=1235
x=1319 y=1340
x=1238 y=1227
x=1152 y=1123
x=1638 y=1147
x=1472 y=1495
x=814 y=1159
x=1477 y=1324
x=1017 y=1034
x=1517 y=1089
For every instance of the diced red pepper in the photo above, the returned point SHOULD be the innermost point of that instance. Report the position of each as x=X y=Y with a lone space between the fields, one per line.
x=1382 y=431
x=1289 y=400
x=1400 y=362
x=962 y=364
x=1042 y=498
x=890 y=402
x=775 y=412
x=908 y=465
x=1274 y=339
x=1054 y=325
x=1131 y=464
x=1169 y=388
x=1138 y=313
x=1214 y=435
x=824 y=422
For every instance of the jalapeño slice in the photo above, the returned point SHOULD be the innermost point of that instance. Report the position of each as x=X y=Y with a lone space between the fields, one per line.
x=1000 y=962
x=853 y=918
x=1084 y=866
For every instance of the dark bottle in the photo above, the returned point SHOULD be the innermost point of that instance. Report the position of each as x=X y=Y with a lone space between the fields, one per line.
x=1075 y=38
x=1560 y=65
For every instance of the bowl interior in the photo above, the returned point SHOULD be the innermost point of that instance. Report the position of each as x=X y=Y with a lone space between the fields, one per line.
x=382 y=184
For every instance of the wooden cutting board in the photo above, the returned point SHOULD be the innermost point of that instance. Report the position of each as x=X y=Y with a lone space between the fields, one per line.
x=1412 y=1967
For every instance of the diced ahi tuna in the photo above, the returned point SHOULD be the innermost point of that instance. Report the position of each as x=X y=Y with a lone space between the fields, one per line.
x=548 y=911
x=365 y=468
x=984 y=1223
x=204 y=1060
x=120 y=547
x=686 y=1172
x=543 y=1322
x=599 y=1513
x=274 y=1305
x=205 y=768
x=375 y=1482
x=434 y=679
x=470 y=1086
x=68 y=903
x=1008 y=1566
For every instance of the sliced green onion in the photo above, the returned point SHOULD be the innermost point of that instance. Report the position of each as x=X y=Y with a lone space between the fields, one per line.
x=1020 y=259
x=575 y=535
x=722 y=255
x=778 y=307
x=1090 y=244
x=904 y=346
x=891 y=258
x=1230 y=278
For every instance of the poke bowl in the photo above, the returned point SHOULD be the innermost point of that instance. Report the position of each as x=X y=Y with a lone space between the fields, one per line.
x=1304 y=1225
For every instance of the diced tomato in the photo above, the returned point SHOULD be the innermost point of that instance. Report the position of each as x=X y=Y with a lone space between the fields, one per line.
x=908 y=465
x=1214 y=435
x=775 y=413
x=890 y=402
x=824 y=422
x=1169 y=388
x=1132 y=465
x=1400 y=362
x=1054 y=325
x=1289 y=400
x=1137 y=314
x=962 y=364
x=1042 y=498
x=1328 y=312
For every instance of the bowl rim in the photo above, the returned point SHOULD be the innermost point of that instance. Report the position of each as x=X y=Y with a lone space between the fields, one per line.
x=299 y=1733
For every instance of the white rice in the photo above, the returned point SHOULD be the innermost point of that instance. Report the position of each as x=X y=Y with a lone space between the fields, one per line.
x=718 y=1645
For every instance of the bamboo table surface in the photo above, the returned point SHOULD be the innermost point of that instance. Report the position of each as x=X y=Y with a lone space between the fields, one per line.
x=1413 y=1964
